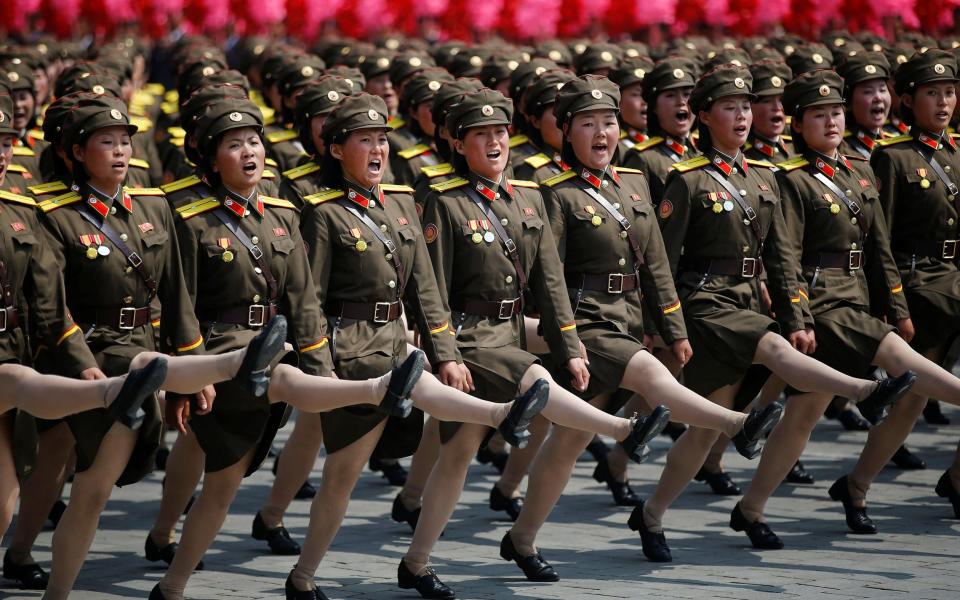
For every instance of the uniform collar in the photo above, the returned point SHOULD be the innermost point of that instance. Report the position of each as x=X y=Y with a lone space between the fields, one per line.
x=767 y=146
x=727 y=164
x=933 y=141
x=868 y=139
x=598 y=179
x=362 y=197
x=633 y=134
x=898 y=125
x=102 y=203
x=827 y=165
x=677 y=147
x=237 y=204
x=491 y=190
x=556 y=157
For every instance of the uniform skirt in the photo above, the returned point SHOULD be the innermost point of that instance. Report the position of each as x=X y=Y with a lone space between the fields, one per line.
x=933 y=295
x=848 y=339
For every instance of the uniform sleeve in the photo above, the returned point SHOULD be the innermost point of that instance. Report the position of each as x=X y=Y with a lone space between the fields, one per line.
x=886 y=177
x=882 y=272
x=315 y=237
x=673 y=215
x=557 y=216
x=438 y=231
x=781 y=254
x=179 y=329
x=660 y=294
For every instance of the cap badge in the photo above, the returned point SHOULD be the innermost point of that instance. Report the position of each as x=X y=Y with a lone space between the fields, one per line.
x=824 y=90
x=776 y=81
x=639 y=73
x=512 y=65
x=373 y=115
x=208 y=71
x=870 y=69
x=2 y=117
x=606 y=56
x=433 y=85
x=476 y=61
x=539 y=70
x=307 y=71
x=13 y=76
x=116 y=114
x=383 y=62
x=554 y=55
x=939 y=69
x=98 y=89
x=333 y=96
x=415 y=61
x=817 y=59
x=596 y=94
x=738 y=82
x=487 y=110
x=235 y=117
x=678 y=73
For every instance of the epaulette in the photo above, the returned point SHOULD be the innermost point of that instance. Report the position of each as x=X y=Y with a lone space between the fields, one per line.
x=10 y=196
x=36 y=134
x=17 y=169
x=537 y=160
x=144 y=191
x=855 y=157
x=197 y=207
x=270 y=162
x=390 y=187
x=559 y=178
x=437 y=170
x=449 y=185
x=324 y=196
x=50 y=187
x=761 y=163
x=23 y=151
x=169 y=109
x=177 y=132
x=654 y=141
x=691 y=164
x=395 y=122
x=847 y=133
x=269 y=115
x=63 y=200
x=180 y=184
x=281 y=136
x=178 y=142
x=268 y=174
x=518 y=140
x=301 y=171
x=145 y=97
x=628 y=170
x=955 y=135
x=889 y=141
x=793 y=164
x=786 y=138
x=623 y=134
x=143 y=124
x=171 y=96
x=524 y=183
x=413 y=151
x=155 y=89
x=277 y=202
x=139 y=162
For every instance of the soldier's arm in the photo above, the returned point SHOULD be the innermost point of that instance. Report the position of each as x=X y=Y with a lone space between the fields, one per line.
x=656 y=281
x=781 y=259
x=179 y=329
x=882 y=273
x=673 y=214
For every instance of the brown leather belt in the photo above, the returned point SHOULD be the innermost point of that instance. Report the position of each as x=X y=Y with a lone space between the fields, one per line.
x=611 y=283
x=378 y=312
x=503 y=309
x=852 y=260
x=940 y=249
x=253 y=315
x=9 y=318
x=736 y=267
x=125 y=318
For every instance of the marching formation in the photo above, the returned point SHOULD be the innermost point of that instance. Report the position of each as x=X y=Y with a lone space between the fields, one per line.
x=462 y=251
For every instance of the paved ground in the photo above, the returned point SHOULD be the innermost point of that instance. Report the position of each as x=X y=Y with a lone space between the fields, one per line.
x=916 y=555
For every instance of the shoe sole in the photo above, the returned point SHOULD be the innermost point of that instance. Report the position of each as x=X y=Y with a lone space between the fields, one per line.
x=529 y=405
x=273 y=336
x=652 y=426
x=139 y=385
x=403 y=408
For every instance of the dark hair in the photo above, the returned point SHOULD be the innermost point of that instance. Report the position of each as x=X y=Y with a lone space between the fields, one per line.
x=443 y=146
x=331 y=171
x=906 y=113
x=705 y=141
x=534 y=132
x=459 y=162
x=799 y=144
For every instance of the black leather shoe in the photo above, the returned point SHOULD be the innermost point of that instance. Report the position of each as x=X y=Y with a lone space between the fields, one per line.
x=393 y=471
x=160 y=460
x=946 y=490
x=155 y=553
x=908 y=461
x=30 y=577
x=497 y=459
x=428 y=584
x=261 y=351
x=875 y=407
x=674 y=430
x=851 y=421
x=799 y=475
x=644 y=430
x=749 y=440
x=401 y=514
x=857 y=519
x=56 y=512
x=760 y=534
x=138 y=385
x=156 y=594
x=306 y=492
x=623 y=494
x=655 y=546
x=720 y=483
x=534 y=566
x=933 y=415
x=396 y=401
x=277 y=538
x=598 y=449
x=525 y=407
x=292 y=593
x=499 y=502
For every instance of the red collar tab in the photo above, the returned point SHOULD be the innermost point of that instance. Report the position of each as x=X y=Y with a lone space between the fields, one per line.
x=866 y=139
x=928 y=141
x=613 y=174
x=488 y=193
x=639 y=137
x=721 y=164
x=845 y=162
x=239 y=209
x=764 y=147
x=558 y=160
x=591 y=178
x=676 y=146
x=824 y=168
x=97 y=205
x=903 y=127
x=127 y=202
x=950 y=141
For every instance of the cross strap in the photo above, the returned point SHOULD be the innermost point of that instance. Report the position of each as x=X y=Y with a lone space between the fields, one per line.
x=852 y=205
x=391 y=248
x=624 y=224
x=234 y=226
x=954 y=192
x=752 y=216
x=508 y=244
x=134 y=259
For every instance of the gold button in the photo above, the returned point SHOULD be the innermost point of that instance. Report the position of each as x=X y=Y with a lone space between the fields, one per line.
x=622 y=262
x=853 y=220
x=123 y=237
x=853 y=246
x=746 y=249
x=950 y=221
x=939 y=146
x=128 y=270
x=256 y=297
x=383 y=228
x=605 y=183
x=128 y=300
x=849 y=192
x=392 y=284
x=246 y=213
x=623 y=235
x=389 y=256
x=257 y=270
x=946 y=168
x=509 y=279
x=504 y=222
x=743 y=192
x=496 y=196
x=733 y=171
x=616 y=205
x=113 y=210
x=255 y=240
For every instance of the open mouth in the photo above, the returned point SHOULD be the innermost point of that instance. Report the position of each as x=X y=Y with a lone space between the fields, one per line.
x=740 y=130
x=600 y=147
x=777 y=120
x=250 y=167
x=494 y=154
x=942 y=115
x=119 y=165
x=878 y=112
x=19 y=114
x=373 y=167
x=682 y=116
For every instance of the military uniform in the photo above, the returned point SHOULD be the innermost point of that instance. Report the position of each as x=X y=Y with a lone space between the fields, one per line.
x=410 y=148
x=866 y=66
x=540 y=96
x=630 y=72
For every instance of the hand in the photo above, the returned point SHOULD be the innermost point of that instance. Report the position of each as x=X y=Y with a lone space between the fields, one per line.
x=647 y=342
x=205 y=400
x=177 y=412
x=905 y=327
x=456 y=376
x=583 y=353
x=682 y=350
x=765 y=297
x=579 y=373
x=805 y=341
x=92 y=374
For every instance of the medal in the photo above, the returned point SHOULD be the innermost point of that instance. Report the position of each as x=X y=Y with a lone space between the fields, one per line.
x=596 y=221
x=728 y=205
x=361 y=246
x=91 y=252
x=488 y=237
x=103 y=251
x=835 y=208
x=227 y=256
x=476 y=238
x=717 y=207
x=924 y=183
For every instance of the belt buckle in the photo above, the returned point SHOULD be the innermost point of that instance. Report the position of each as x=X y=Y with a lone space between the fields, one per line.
x=611 y=287
x=3 y=320
x=127 y=310
x=506 y=309
x=135 y=259
x=856 y=260
x=949 y=249
x=748 y=268
x=376 y=312
x=253 y=320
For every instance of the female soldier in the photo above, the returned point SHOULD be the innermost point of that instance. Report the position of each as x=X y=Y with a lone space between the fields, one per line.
x=767 y=140
x=542 y=128
x=469 y=223
x=596 y=242
x=721 y=211
x=629 y=76
x=369 y=259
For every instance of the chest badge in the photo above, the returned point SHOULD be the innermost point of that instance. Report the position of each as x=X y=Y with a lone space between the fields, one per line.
x=924 y=182
x=227 y=255
x=18 y=227
x=595 y=219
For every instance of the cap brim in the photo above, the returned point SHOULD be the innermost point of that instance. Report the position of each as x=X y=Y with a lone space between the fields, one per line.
x=485 y=122
x=8 y=131
x=824 y=102
x=769 y=92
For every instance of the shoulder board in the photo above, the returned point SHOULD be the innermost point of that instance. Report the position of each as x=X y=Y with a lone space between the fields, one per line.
x=524 y=184
x=177 y=132
x=449 y=185
x=747 y=146
x=413 y=151
x=517 y=140
x=10 y=196
x=855 y=157
x=268 y=174
x=172 y=96
x=390 y=187
x=761 y=163
x=17 y=169
x=144 y=191
x=895 y=140
x=55 y=203
x=324 y=196
x=787 y=138
x=645 y=145
x=270 y=162
x=36 y=134
x=139 y=162
x=955 y=135
x=180 y=184
x=437 y=170
x=623 y=134
x=178 y=142
x=143 y=124
x=277 y=202
x=269 y=115
x=559 y=178
x=169 y=108
x=537 y=160
x=628 y=170
x=847 y=133
x=281 y=136
x=23 y=151
x=155 y=89
x=197 y=207
x=396 y=122
x=47 y=188
x=691 y=164
x=793 y=164
x=301 y=171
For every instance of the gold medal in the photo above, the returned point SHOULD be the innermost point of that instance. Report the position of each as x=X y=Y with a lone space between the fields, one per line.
x=924 y=183
x=227 y=256
x=91 y=252
x=717 y=207
x=476 y=238
x=361 y=246
x=596 y=221
x=835 y=208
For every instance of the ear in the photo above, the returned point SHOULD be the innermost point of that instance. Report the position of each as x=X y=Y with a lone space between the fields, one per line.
x=458 y=146
x=535 y=121
x=906 y=100
x=704 y=117
x=78 y=152
x=336 y=151
x=796 y=124
x=566 y=129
